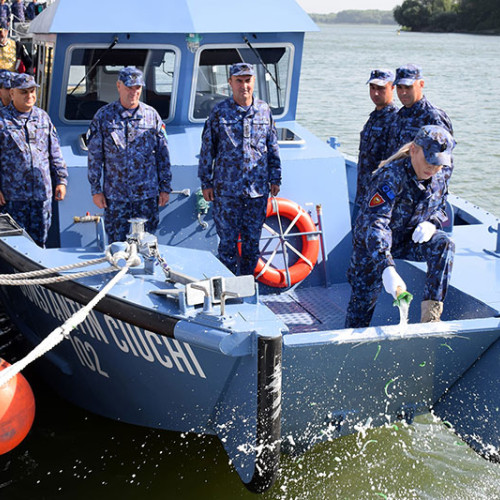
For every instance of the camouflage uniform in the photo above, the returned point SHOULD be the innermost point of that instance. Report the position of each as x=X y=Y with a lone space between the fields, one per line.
x=5 y=81
x=372 y=146
x=18 y=11
x=128 y=148
x=32 y=10
x=30 y=155
x=409 y=120
x=4 y=15
x=397 y=203
x=239 y=159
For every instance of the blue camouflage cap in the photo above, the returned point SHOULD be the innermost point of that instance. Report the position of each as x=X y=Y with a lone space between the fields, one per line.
x=381 y=77
x=241 y=69
x=6 y=78
x=408 y=74
x=437 y=144
x=23 y=81
x=131 y=76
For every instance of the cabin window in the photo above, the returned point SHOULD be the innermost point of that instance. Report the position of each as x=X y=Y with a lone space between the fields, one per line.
x=272 y=80
x=43 y=56
x=93 y=72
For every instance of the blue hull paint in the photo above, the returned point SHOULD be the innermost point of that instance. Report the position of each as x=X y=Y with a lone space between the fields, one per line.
x=472 y=405
x=276 y=369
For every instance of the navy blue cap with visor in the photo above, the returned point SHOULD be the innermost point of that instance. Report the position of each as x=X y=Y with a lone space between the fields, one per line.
x=437 y=144
x=381 y=77
x=23 y=81
x=131 y=76
x=408 y=74
x=241 y=69
x=6 y=78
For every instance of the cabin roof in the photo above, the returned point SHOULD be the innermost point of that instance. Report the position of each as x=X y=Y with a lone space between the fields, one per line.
x=172 y=16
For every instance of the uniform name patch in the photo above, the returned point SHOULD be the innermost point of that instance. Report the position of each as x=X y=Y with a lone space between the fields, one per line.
x=376 y=200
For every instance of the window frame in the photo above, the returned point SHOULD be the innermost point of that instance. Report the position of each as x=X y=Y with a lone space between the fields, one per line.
x=194 y=83
x=139 y=46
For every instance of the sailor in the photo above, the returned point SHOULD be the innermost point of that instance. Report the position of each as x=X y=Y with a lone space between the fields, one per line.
x=401 y=219
x=30 y=161
x=374 y=136
x=18 y=11
x=129 y=162
x=33 y=9
x=239 y=167
x=4 y=14
x=416 y=111
x=5 y=81
x=13 y=55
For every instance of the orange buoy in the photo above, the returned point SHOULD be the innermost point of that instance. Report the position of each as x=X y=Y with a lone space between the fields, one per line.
x=17 y=410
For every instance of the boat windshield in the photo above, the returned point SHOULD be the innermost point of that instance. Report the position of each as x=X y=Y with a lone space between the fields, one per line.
x=93 y=72
x=272 y=67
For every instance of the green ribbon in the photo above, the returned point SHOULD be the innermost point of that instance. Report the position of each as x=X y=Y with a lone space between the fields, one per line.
x=405 y=297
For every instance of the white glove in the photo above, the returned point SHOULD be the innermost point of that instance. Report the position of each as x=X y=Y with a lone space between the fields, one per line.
x=393 y=282
x=423 y=232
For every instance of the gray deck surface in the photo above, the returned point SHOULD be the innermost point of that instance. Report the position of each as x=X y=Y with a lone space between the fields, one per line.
x=311 y=309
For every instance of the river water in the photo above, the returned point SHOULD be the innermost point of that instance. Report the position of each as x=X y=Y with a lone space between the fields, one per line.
x=73 y=454
x=461 y=75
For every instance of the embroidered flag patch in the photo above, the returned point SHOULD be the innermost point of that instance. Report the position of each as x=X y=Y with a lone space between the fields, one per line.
x=164 y=130
x=388 y=191
x=376 y=200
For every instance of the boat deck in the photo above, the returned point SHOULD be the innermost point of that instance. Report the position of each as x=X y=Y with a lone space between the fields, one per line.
x=311 y=309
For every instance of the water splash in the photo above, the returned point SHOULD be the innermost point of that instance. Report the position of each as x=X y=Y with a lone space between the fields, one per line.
x=404 y=311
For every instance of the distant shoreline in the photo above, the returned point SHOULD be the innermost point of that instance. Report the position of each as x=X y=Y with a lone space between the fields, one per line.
x=385 y=17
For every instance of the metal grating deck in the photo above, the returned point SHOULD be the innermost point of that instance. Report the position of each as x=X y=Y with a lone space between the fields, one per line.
x=311 y=309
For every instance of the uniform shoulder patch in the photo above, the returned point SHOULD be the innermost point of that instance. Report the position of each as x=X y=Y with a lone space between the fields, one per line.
x=376 y=200
x=388 y=191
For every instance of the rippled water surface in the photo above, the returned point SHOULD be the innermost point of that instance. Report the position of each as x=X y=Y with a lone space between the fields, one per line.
x=461 y=76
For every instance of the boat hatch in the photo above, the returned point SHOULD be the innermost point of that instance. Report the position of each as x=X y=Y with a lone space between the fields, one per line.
x=93 y=72
x=273 y=66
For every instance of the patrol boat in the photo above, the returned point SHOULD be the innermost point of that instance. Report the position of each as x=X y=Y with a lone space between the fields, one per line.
x=174 y=340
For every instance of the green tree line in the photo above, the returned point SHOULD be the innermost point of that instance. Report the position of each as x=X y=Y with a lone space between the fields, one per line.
x=356 y=17
x=471 y=16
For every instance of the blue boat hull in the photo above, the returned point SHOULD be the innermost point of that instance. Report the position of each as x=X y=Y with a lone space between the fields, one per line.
x=264 y=371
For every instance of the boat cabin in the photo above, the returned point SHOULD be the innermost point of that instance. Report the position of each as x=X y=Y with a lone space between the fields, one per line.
x=185 y=50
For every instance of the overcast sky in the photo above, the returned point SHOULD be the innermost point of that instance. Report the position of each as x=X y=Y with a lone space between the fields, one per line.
x=327 y=6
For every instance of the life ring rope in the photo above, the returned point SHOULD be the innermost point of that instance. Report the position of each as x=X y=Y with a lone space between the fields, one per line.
x=268 y=262
x=286 y=243
x=307 y=255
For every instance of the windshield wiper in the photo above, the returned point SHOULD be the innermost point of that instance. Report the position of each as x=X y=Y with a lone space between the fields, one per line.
x=261 y=61
x=113 y=43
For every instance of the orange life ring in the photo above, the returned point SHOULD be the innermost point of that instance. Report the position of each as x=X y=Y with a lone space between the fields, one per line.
x=308 y=253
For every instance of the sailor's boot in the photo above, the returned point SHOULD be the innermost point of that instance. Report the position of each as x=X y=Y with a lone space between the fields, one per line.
x=431 y=311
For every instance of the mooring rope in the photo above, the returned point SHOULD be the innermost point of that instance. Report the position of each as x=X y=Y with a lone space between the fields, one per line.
x=51 y=270
x=30 y=277
x=55 y=279
x=61 y=332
